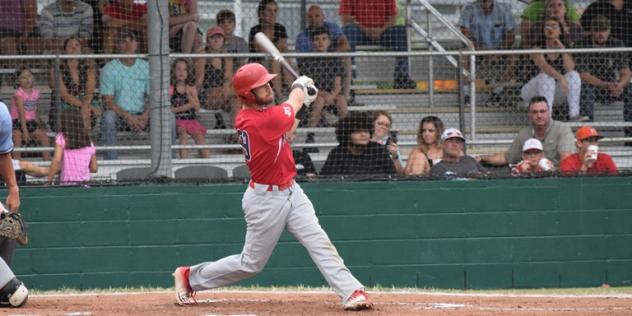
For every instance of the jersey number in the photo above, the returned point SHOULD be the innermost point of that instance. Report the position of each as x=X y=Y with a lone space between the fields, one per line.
x=244 y=140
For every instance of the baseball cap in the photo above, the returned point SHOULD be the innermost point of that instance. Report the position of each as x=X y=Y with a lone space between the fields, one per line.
x=214 y=31
x=452 y=133
x=586 y=132
x=532 y=143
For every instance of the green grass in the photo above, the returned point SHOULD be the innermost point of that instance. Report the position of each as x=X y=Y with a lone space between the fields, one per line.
x=566 y=291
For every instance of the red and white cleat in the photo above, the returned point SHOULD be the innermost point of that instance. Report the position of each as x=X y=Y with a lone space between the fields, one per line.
x=359 y=300
x=184 y=293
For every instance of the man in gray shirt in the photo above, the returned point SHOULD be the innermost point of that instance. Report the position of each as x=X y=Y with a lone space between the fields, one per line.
x=63 y=19
x=556 y=137
x=454 y=164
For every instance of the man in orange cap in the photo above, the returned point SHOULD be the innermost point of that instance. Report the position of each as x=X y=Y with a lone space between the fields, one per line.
x=588 y=159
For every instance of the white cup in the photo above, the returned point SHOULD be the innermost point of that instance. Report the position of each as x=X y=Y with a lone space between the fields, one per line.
x=544 y=164
x=593 y=150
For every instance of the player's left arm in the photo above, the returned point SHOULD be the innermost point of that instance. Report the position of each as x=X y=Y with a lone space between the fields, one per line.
x=6 y=165
x=296 y=98
x=6 y=170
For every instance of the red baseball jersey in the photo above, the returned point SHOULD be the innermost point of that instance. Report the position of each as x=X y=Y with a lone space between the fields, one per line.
x=603 y=165
x=262 y=136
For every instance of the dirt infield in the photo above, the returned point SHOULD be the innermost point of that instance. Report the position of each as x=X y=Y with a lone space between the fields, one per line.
x=323 y=303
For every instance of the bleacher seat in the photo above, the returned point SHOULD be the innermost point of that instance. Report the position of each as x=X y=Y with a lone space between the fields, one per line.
x=134 y=173
x=241 y=172
x=201 y=173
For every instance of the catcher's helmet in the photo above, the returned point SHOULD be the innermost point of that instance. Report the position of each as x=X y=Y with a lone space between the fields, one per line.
x=248 y=77
x=354 y=122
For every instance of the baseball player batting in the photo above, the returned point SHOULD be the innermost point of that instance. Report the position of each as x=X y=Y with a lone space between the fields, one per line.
x=13 y=293
x=272 y=201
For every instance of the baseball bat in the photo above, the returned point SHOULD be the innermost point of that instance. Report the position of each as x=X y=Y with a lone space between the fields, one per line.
x=268 y=46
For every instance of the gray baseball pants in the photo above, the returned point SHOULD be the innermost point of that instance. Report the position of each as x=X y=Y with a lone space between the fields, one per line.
x=267 y=214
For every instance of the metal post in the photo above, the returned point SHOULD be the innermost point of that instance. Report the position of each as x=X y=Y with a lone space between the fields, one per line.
x=161 y=119
x=430 y=63
x=303 y=12
x=459 y=75
x=409 y=40
x=57 y=87
x=473 y=97
x=237 y=9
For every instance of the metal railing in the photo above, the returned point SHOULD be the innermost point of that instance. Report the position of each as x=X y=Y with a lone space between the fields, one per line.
x=432 y=43
x=472 y=139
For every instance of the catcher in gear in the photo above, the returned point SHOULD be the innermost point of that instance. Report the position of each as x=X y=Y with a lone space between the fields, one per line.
x=13 y=293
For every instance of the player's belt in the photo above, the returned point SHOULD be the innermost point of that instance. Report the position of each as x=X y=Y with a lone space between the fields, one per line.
x=270 y=187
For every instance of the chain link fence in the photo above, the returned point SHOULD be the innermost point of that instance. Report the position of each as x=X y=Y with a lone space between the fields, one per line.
x=425 y=67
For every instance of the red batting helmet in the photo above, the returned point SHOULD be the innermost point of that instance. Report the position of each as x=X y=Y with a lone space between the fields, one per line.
x=248 y=77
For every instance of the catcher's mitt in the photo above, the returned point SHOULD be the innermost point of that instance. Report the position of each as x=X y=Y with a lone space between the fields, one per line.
x=12 y=226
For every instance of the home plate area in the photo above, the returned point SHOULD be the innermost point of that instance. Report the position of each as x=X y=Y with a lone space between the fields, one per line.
x=322 y=302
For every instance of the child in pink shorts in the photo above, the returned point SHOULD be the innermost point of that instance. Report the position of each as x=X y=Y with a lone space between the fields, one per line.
x=185 y=104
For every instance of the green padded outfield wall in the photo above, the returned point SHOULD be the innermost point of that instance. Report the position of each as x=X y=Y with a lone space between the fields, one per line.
x=524 y=233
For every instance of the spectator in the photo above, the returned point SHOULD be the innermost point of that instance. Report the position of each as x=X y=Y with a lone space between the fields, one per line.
x=533 y=161
x=77 y=82
x=357 y=154
x=18 y=21
x=429 y=149
x=617 y=12
x=123 y=86
x=183 y=26
x=454 y=164
x=124 y=14
x=185 y=105
x=536 y=11
x=27 y=125
x=213 y=77
x=327 y=73
x=570 y=28
x=556 y=137
x=75 y=154
x=232 y=43
x=63 y=19
x=553 y=75
x=605 y=75
x=267 y=13
x=373 y=22
x=339 y=43
x=489 y=24
x=22 y=168
x=383 y=135
x=588 y=160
